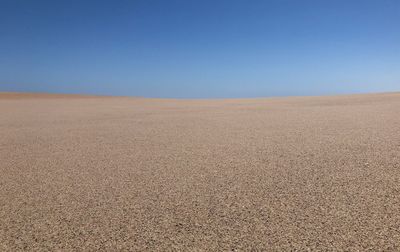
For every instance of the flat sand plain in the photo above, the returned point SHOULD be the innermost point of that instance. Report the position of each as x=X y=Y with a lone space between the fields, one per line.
x=274 y=174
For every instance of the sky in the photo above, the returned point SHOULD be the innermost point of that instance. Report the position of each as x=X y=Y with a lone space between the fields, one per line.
x=200 y=48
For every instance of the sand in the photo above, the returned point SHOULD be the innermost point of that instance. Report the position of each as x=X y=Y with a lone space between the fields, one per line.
x=274 y=174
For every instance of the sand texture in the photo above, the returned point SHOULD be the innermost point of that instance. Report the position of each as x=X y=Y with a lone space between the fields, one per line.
x=275 y=174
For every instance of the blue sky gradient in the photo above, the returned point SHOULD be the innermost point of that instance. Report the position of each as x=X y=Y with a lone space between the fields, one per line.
x=200 y=49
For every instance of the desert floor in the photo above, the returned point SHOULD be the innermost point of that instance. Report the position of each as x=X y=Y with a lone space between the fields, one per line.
x=114 y=173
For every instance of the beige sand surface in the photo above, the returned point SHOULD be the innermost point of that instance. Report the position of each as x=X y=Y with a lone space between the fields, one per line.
x=113 y=173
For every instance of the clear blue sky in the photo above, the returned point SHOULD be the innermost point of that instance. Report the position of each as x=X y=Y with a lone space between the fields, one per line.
x=200 y=49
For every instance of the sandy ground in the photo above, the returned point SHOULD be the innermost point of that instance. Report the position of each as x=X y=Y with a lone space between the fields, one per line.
x=278 y=174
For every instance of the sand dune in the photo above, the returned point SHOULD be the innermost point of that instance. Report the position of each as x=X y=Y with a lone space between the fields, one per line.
x=113 y=173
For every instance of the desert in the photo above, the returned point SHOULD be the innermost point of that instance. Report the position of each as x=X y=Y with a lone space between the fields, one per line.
x=129 y=173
